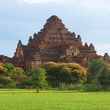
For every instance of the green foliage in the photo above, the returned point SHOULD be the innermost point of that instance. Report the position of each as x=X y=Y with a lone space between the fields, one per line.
x=63 y=76
x=105 y=80
x=18 y=76
x=39 y=78
x=5 y=80
x=27 y=82
x=90 y=87
x=97 y=68
x=10 y=76
x=65 y=73
x=74 y=87
x=10 y=68
x=3 y=70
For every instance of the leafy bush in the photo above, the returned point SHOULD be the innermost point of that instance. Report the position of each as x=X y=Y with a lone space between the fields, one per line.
x=39 y=78
x=105 y=80
x=90 y=87
x=10 y=76
x=65 y=73
x=96 y=70
x=75 y=87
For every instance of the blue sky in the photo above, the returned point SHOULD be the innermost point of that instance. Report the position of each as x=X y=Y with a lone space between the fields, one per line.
x=21 y=18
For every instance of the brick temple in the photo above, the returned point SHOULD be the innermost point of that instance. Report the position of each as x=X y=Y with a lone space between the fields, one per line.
x=53 y=43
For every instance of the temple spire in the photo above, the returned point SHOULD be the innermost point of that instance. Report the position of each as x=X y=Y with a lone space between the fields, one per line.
x=30 y=38
x=92 y=46
x=79 y=38
x=19 y=43
x=86 y=45
x=54 y=22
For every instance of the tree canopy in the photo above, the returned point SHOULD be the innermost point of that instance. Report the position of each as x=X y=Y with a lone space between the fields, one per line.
x=65 y=73
x=96 y=69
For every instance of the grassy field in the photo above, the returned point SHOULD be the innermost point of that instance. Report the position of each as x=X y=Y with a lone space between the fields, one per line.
x=53 y=100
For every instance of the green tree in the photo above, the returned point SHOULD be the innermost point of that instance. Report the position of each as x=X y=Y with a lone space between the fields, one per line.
x=18 y=76
x=11 y=76
x=67 y=73
x=3 y=70
x=5 y=81
x=27 y=81
x=105 y=80
x=39 y=79
x=96 y=69
x=10 y=68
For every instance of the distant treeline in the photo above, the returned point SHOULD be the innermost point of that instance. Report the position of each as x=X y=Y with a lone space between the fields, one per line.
x=63 y=76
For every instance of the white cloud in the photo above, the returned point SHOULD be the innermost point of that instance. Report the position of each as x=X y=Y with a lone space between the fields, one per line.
x=103 y=48
x=39 y=1
x=100 y=4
